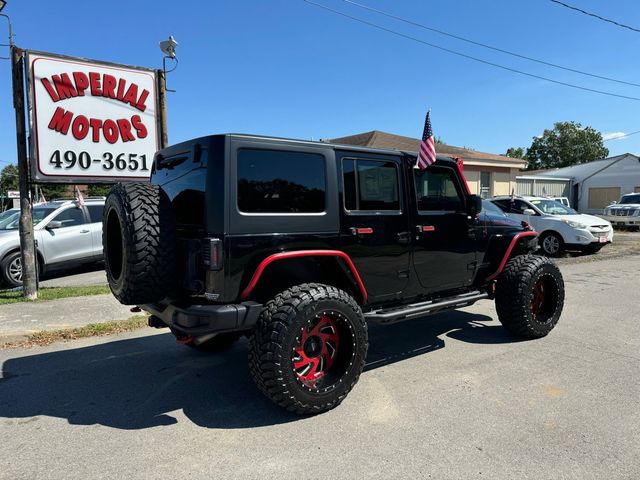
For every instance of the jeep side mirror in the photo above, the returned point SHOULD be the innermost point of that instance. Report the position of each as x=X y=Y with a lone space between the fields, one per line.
x=53 y=224
x=474 y=205
x=528 y=211
x=614 y=202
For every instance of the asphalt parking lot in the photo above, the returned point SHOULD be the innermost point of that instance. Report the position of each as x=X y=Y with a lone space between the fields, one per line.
x=448 y=396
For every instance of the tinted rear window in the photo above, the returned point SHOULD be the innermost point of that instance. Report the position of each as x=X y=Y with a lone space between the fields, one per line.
x=273 y=181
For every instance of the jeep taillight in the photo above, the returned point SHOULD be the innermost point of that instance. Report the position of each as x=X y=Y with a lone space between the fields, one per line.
x=212 y=253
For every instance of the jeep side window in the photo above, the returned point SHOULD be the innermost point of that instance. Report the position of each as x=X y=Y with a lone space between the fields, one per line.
x=370 y=185
x=437 y=190
x=273 y=181
x=70 y=217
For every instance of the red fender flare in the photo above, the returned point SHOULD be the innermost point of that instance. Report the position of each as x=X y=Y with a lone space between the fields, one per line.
x=507 y=254
x=304 y=253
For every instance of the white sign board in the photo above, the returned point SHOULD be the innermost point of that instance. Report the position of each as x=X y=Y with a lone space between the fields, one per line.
x=13 y=194
x=90 y=121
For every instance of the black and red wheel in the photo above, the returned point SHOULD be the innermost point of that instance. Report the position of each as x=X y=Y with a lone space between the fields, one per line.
x=309 y=348
x=530 y=296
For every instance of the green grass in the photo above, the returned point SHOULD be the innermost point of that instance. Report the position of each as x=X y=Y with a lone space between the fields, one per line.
x=91 y=330
x=15 y=296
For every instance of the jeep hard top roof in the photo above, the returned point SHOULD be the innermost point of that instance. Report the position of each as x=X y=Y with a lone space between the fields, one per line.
x=311 y=143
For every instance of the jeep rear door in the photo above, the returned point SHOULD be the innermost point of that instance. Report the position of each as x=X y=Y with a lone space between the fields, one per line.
x=444 y=255
x=374 y=224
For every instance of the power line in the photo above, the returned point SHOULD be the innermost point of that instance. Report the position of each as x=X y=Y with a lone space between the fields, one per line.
x=596 y=16
x=464 y=55
x=619 y=137
x=490 y=47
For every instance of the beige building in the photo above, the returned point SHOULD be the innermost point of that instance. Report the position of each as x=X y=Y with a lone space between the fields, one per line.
x=487 y=174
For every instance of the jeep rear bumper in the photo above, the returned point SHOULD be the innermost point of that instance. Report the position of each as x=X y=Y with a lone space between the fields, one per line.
x=203 y=319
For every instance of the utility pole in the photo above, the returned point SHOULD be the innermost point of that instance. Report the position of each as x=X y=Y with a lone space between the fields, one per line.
x=162 y=118
x=27 y=246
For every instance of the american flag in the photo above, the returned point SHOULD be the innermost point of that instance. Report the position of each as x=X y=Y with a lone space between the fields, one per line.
x=427 y=151
x=79 y=197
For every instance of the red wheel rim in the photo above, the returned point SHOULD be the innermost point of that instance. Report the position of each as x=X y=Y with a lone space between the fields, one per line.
x=537 y=301
x=316 y=350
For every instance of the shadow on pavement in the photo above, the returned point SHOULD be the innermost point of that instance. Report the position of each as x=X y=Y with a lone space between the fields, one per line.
x=137 y=383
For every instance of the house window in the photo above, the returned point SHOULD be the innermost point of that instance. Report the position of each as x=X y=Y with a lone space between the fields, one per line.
x=485 y=184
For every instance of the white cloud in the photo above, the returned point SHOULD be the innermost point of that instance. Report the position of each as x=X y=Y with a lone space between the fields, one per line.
x=612 y=135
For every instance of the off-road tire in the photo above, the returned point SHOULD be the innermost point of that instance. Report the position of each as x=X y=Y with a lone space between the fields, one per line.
x=139 y=239
x=276 y=334
x=515 y=296
x=545 y=242
x=217 y=344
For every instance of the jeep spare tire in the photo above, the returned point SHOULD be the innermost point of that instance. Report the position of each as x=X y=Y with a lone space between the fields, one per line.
x=139 y=239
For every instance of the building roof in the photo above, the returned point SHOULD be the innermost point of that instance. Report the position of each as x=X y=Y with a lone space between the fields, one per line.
x=378 y=139
x=580 y=171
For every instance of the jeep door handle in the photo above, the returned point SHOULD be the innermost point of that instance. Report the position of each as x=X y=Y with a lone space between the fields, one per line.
x=425 y=228
x=361 y=230
x=85 y=231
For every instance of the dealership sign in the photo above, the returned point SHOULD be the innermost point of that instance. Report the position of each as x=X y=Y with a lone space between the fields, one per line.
x=90 y=121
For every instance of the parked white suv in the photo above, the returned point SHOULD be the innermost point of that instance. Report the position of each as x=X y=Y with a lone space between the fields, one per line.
x=625 y=212
x=560 y=226
x=66 y=235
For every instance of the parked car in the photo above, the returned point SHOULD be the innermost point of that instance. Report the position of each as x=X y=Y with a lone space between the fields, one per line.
x=8 y=213
x=625 y=212
x=66 y=235
x=562 y=200
x=298 y=244
x=560 y=227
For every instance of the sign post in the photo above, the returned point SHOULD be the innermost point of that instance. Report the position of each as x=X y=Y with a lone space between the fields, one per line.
x=89 y=122
x=27 y=245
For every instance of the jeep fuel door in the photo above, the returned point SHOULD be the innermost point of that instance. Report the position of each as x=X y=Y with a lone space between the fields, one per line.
x=374 y=225
x=444 y=237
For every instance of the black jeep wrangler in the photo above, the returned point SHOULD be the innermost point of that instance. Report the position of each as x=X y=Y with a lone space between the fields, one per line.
x=298 y=244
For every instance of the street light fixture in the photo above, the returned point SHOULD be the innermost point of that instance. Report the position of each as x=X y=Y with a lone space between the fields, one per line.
x=168 y=48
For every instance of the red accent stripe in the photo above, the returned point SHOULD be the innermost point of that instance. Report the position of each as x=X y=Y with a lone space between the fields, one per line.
x=364 y=230
x=304 y=253
x=428 y=228
x=507 y=254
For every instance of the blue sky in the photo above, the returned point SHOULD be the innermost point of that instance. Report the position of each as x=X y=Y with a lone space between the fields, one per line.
x=287 y=68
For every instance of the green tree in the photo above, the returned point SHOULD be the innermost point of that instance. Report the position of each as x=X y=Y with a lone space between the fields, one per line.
x=54 y=190
x=9 y=178
x=99 y=189
x=515 y=152
x=569 y=143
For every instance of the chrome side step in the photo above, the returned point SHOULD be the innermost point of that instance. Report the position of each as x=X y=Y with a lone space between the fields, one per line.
x=414 y=310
